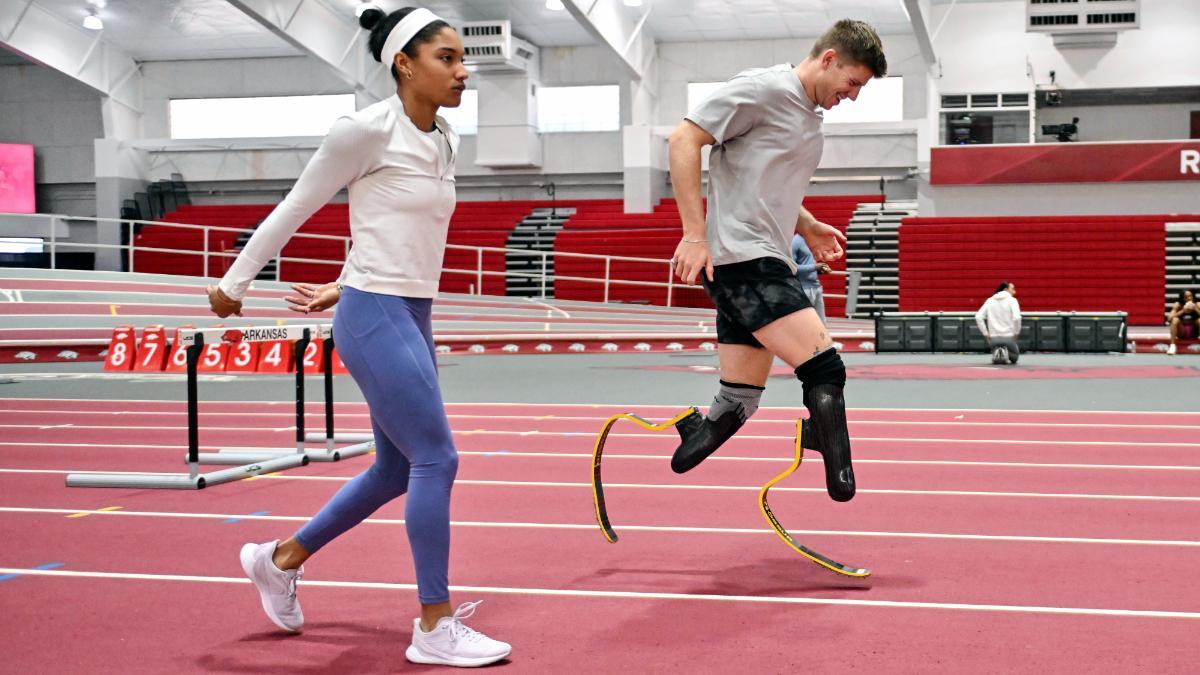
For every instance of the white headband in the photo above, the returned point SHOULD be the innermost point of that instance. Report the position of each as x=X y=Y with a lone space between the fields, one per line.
x=404 y=31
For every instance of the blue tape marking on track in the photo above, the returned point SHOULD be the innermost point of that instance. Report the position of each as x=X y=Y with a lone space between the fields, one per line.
x=47 y=566
x=235 y=520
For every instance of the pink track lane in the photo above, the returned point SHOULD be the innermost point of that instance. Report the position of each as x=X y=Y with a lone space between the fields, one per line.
x=642 y=633
x=870 y=511
x=443 y=301
x=599 y=412
x=754 y=564
x=503 y=466
x=367 y=630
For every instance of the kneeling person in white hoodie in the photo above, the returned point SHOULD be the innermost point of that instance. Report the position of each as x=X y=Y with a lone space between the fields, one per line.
x=1000 y=322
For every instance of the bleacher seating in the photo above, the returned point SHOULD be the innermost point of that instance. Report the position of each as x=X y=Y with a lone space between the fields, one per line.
x=1058 y=263
x=473 y=224
x=603 y=228
x=240 y=216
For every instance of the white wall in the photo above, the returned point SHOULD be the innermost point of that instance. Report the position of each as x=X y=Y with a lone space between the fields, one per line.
x=1165 y=121
x=57 y=114
x=61 y=118
x=683 y=62
x=983 y=47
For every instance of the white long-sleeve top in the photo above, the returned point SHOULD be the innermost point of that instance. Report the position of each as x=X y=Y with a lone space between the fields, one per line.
x=401 y=185
x=1000 y=316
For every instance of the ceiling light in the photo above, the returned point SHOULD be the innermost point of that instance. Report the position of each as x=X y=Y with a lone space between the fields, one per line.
x=633 y=3
x=92 y=22
x=554 y=5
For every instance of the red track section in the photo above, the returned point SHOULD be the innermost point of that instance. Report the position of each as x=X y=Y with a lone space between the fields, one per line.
x=1066 y=533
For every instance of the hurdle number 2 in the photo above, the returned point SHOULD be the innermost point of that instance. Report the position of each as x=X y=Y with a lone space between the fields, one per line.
x=310 y=355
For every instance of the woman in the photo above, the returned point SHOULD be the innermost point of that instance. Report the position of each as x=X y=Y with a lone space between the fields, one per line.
x=1185 y=315
x=396 y=158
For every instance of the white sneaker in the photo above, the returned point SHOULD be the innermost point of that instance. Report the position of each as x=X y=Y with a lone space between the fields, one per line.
x=1171 y=349
x=276 y=587
x=452 y=643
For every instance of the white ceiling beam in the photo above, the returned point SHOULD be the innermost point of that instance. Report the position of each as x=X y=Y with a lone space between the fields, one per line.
x=327 y=33
x=629 y=37
x=912 y=8
x=33 y=32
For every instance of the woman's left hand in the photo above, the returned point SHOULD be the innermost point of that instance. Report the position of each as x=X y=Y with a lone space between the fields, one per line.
x=825 y=241
x=222 y=305
x=313 y=298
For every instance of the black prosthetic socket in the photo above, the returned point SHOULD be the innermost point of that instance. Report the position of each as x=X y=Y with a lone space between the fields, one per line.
x=824 y=377
x=700 y=437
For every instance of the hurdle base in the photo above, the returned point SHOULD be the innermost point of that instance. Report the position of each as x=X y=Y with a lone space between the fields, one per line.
x=246 y=455
x=184 y=481
x=340 y=438
x=338 y=454
x=249 y=455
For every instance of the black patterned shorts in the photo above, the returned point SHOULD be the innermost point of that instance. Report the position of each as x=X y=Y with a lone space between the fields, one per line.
x=750 y=295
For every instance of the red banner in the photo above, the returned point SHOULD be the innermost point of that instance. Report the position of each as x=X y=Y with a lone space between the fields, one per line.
x=1066 y=163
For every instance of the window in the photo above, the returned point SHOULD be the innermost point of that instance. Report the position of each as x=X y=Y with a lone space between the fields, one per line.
x=257 y=117
x=21 y=245
x=986 y=117
x=596 y=108
x=465 y=118
x=881 y=100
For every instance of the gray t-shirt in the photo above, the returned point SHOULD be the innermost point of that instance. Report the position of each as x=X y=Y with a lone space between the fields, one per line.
x=769 y=143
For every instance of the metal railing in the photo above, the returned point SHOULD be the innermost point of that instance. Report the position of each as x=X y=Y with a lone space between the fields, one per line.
x=53 y=242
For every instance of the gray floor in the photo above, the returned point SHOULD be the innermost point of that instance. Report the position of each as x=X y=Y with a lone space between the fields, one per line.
x=637 y=379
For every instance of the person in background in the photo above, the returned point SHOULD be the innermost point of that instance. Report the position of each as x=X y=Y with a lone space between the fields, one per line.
x=807 y=270
x=999 y=319
x=1184 y=318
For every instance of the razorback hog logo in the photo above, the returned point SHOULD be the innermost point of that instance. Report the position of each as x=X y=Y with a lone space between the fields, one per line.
x=232 y=335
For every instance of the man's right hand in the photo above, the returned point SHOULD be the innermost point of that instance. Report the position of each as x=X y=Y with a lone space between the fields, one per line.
x=692 y=258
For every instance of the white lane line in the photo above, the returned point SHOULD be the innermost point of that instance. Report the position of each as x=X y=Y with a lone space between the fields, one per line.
x=452 y=404
x=638 y=528
x=570 y=418
x=660 y=458
x=790 y=438
x=565 y=315
x=638 y=595
x=777 y=460
x=656 y=486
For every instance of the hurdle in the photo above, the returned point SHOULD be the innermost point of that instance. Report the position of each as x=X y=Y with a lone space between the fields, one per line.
x=331 y=453
x=193 y=479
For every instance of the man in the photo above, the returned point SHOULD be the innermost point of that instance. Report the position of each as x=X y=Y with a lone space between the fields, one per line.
x=765 y=129
x=999 y=319
x=807 y=270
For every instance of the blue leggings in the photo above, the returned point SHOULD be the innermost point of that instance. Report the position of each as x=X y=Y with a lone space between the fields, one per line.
x=386 y=342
